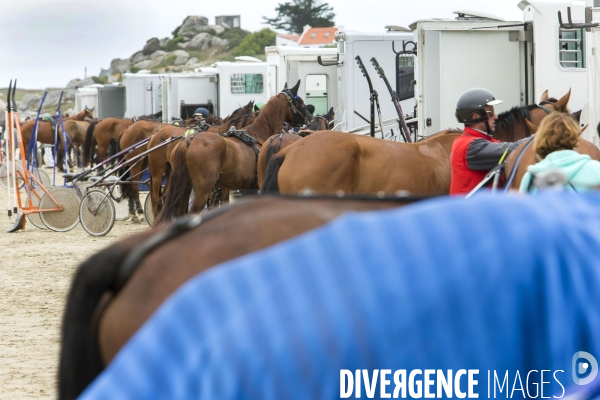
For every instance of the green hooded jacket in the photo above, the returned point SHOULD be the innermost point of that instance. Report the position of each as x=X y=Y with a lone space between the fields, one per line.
x=580 y=170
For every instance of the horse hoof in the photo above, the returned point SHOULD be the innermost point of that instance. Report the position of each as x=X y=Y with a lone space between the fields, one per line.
x=137 y=220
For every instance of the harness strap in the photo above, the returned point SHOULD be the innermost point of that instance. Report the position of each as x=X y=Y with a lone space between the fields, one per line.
x=516 y=166
x=248 y=140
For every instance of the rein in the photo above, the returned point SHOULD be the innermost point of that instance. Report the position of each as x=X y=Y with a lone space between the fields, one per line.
x=513 y=172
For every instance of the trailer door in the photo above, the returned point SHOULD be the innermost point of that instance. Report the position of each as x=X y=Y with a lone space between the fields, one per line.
x=453 y=61
x=111 y=101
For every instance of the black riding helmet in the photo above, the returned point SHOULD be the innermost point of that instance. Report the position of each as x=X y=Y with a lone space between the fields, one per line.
x=474 y=100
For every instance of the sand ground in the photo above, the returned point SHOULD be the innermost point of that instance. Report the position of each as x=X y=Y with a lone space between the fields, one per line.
x=36 y=267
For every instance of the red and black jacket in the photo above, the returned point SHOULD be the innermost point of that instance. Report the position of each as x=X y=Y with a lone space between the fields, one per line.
x=473 y=155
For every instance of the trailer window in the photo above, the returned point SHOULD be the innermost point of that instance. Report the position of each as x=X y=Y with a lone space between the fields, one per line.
x=247 y=83
x=406 y=76
x=571 y=50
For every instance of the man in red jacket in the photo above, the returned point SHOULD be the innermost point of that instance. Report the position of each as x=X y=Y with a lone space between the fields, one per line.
x=475 y=153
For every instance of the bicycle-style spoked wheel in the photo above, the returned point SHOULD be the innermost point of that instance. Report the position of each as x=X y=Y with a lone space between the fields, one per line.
x=148 y=210
x=35 y=218
x=60 y=221
x=97 y=212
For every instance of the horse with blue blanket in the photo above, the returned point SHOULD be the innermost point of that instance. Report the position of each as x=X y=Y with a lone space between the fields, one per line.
x=365 y=292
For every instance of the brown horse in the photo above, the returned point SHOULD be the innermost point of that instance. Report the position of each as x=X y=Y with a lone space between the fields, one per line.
x=103 y=133
x=109 y=301
x=135 y=133
x=280 y=141
x=525 y=153
x=45 y=132
x=159 y=160
x=330 y=162
x=205 y=161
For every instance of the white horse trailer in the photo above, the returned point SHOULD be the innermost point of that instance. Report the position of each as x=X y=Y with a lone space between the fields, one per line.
x=318 y=79
x=143 y=94
x=104 y=100
x=353 y=106
x=238 y=83
x=516 y=60
x=590 y=33
x=87 y=98
x=220 y=88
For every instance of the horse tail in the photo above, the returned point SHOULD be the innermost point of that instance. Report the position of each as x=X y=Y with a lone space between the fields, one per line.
x=271 y=151
x=270 y=184
x=88 y=146
x=179 y=181
x=80 y=360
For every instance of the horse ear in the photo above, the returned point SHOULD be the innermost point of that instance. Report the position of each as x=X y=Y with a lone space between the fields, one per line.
x=285 y=86
x=330 y=112
x=561 y=104
x=533 y=128
x=544 y=96
x=294 y=90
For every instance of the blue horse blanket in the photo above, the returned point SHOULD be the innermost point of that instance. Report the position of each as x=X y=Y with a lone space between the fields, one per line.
x=508 y=286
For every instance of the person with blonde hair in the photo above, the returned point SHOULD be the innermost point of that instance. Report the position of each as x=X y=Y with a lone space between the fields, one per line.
x=554 y=142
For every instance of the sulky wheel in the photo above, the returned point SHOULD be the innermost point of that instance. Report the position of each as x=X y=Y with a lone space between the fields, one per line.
x=148 y=210
x=35 y=218
x=60 y=221
x=41 y=176
x=6 y=174
x=97 y=213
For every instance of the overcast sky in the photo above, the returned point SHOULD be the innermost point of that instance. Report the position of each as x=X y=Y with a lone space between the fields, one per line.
x=46 y=43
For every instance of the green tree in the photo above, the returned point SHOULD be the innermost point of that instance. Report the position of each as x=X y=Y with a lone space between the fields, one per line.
x=293 y=16
x=255 y=43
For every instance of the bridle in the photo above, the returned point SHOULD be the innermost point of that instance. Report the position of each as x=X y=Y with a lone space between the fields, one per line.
x=543 y=104
x=295 y=106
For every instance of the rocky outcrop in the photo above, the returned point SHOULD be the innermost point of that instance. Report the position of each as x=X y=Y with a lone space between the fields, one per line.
x=151 y=46
x=78 y=83
x=181 y=57
x=193 y=24
x=29 y=101
x=155 y=59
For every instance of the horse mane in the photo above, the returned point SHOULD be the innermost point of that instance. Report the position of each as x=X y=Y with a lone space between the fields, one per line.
x=270 y=115
x=508 y=120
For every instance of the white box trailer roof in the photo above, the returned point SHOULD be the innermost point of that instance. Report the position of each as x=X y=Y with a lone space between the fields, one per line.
x=318 y=82
x=353 y=90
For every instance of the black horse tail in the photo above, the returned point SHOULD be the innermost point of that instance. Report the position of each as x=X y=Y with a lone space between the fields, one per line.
x=272 y=150
x=178 y=187
x=270 y=184
x=80 y=359
x=88 y=146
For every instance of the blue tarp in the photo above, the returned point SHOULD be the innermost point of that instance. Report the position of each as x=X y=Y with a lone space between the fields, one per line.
x=503 y=284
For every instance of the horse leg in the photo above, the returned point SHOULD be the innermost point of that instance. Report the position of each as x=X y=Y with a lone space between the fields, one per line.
x=135 y=194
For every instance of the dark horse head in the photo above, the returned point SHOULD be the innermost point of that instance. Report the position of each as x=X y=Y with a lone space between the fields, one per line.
x=296 y=104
